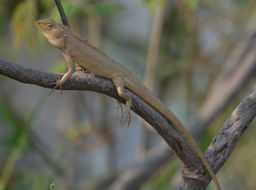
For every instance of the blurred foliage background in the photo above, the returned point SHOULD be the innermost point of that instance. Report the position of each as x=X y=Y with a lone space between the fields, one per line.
x=177 y=47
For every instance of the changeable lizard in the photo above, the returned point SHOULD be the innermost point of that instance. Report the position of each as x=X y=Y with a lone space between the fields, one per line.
x=77 y=50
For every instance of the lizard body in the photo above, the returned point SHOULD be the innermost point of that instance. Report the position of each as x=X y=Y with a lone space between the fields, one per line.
x=77 y=50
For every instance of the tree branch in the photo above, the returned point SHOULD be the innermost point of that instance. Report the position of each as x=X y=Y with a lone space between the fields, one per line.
x=226 y=139
x=241 y=68
x=165 y=128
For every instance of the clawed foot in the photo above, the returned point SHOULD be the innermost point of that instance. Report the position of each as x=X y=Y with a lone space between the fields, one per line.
x=58 y=83
x=117 y=107
x=126 y=116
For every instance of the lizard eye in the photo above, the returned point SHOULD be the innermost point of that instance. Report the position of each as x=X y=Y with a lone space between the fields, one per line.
x=49 y=26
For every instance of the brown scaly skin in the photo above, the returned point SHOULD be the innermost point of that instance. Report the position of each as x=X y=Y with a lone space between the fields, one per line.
x=77 y=50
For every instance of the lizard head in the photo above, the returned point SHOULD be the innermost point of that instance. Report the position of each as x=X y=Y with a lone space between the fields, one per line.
x=47 y=26
x=52 y=31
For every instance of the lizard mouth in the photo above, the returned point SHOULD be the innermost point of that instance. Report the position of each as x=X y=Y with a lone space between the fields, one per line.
x=39 y=24
x=36 y=23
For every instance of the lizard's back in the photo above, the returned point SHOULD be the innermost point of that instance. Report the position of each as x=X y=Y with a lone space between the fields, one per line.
x=94 y=60
x=98 y=63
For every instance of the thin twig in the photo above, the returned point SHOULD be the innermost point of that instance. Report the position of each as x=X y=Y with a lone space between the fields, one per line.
x=62 y=13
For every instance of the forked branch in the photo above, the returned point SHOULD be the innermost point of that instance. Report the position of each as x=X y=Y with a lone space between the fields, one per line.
x=165 y=128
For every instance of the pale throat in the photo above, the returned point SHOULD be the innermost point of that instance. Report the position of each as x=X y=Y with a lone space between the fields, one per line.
x=56 y=40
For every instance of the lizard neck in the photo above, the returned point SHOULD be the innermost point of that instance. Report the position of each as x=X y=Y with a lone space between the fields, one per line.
x=57 y=42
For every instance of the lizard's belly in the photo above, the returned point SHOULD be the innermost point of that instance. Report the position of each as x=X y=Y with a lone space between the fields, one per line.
x=96 y=66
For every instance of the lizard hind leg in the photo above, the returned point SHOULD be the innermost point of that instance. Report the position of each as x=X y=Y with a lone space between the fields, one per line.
x=119 y=83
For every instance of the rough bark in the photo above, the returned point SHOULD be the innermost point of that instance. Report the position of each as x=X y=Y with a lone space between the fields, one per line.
x=226 y=139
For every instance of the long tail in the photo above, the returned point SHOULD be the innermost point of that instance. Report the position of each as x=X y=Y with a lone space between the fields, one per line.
x=136 y=86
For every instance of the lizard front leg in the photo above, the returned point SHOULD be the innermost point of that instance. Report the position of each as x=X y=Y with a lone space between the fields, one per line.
x=71 y=69
x=68 y=74
x=119 y=83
